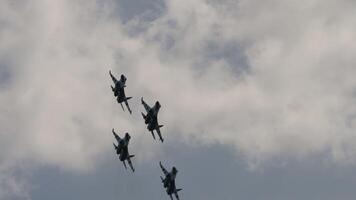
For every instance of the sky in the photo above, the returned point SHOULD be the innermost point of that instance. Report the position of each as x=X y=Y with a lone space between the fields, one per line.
x=258 y=98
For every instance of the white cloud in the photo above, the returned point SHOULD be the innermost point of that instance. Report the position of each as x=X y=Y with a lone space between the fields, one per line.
x=295 y=99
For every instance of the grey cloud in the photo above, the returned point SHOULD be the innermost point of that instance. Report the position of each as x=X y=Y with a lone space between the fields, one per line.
x=205 y=172
x=147 y=10
x=5 y=76
x=295 y=102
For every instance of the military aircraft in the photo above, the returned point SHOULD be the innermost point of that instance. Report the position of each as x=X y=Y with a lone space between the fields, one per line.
x=119 y=91
x=151 y=118
x=122 y=149
x=169 y=181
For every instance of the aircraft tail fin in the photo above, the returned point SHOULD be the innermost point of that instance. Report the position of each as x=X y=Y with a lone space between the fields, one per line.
x=176 y=193
x=159 y=132
x=127 y=105
x=130 y=163
x=124 y=164
x=153 y=135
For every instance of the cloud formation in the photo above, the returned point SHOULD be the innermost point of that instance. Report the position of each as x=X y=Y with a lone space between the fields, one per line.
x=272 y=79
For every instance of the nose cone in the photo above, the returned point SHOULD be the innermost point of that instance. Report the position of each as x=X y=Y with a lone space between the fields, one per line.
x=123 y=78
x=174 y=170
x=127 y=136
x=158 y=105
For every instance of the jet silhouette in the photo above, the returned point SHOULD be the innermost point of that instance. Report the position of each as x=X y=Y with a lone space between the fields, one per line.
x=169 y=181
x=119 y=91
x=151 y=118
x=122 y=149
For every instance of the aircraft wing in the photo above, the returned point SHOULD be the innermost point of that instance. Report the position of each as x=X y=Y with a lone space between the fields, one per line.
x=147 y=107
x=113 y=78
x=163 y=169
x=117 y=137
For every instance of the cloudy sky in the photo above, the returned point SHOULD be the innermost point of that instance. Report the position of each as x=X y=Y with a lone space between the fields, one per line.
x=258 y=98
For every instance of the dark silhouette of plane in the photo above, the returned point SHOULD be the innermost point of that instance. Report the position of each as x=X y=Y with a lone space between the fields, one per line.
x=169 y=181
x=119 y=91
x=122 y=149
x=151 y=118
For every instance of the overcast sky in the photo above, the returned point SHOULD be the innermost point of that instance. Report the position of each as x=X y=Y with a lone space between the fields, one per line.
x=258 y=98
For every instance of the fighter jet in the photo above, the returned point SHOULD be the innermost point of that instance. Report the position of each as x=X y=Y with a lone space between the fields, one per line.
x=119 y=91
x=151 y=118
x=169 y=181
x=122 y=149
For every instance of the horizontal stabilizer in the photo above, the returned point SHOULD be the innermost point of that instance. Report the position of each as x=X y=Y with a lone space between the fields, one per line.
x=177 y=190
x=114 y=145
x=131 y=156
x=127 y=98
x=160 y=126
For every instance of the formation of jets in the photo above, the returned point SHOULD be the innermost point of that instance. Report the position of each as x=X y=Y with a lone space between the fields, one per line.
x=151 y=120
